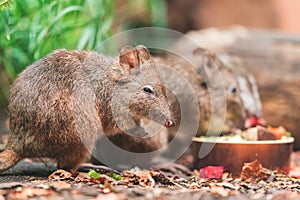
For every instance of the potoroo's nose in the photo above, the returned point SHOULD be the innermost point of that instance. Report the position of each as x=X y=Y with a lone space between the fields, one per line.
x=169 y=123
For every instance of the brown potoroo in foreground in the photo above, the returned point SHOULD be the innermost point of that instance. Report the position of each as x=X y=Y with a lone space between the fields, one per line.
x=62 y=103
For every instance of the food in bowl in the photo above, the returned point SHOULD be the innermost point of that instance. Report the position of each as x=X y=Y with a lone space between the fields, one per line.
x=232 y=152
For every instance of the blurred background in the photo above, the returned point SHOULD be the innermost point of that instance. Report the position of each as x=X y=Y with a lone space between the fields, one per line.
x=282 y=15
x=31 y=29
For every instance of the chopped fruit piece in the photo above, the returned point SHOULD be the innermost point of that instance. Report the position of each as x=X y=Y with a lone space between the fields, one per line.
x=258 y=133
x=278 y=132
x=212 y=172
x=253 y=121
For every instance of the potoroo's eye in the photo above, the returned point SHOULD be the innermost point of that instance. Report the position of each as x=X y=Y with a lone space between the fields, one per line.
x=204 y=85
x=148 y=89
x=232 y=89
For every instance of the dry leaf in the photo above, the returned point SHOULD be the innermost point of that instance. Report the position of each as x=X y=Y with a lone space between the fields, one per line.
x=29 y=192
x=60 y=174
x=10 y=185
x=220 y=191
x=142 y=178
x=160 y=178
x=112 y=196
x=254 y=171
x=60 y=185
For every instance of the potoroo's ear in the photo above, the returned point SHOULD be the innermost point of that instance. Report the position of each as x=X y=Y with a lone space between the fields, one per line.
x=143 y=53
x=129 y=58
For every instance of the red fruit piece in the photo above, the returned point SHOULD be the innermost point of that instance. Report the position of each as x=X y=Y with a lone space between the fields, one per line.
x=254 y=121
x=212 y=172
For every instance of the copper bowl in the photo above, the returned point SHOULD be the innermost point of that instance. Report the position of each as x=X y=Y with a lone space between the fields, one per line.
x=273 y=154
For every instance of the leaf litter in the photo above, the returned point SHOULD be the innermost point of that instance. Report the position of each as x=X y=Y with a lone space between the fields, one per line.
x=255 y=182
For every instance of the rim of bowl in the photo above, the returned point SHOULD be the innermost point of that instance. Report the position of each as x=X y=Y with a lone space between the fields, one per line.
x=215 y=140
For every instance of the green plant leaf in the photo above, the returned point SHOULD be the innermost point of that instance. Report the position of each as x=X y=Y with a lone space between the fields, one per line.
x=85 y=37
x=5 y=4
x=93 y=174
x=66 y=11
x=116 y=176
